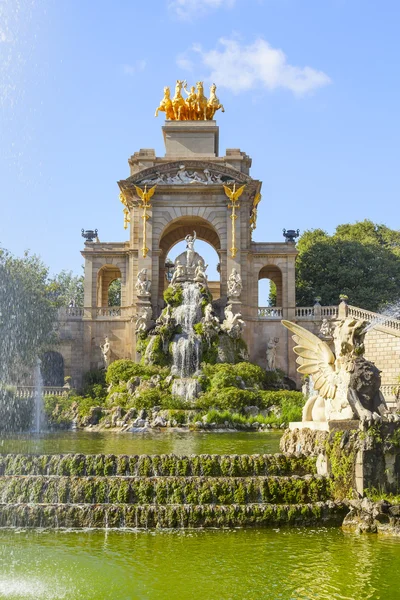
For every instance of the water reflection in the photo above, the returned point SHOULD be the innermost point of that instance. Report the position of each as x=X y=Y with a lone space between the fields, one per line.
x=142 y=443
x=247 y=564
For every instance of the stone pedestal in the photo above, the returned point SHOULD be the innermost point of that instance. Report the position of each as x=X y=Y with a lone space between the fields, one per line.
x=191 y=139
x=325 y=425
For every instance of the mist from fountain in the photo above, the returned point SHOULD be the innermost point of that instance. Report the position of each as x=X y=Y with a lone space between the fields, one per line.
x=392 y=311
x=38 y=409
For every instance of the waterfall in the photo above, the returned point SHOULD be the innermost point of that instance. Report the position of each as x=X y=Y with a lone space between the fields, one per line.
x=186 y=346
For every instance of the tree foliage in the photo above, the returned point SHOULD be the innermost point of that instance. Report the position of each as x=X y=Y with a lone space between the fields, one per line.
x=114 y=293
x=65 y=288
x=361 y=260
x=27 y=314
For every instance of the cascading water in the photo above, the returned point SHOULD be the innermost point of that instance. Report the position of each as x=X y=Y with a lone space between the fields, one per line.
x=186 y=346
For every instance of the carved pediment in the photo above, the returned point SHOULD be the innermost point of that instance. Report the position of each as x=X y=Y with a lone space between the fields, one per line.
x=186 y=172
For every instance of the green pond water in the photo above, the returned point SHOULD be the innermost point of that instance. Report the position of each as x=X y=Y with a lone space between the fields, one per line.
x=180 y=443
x=324 y=564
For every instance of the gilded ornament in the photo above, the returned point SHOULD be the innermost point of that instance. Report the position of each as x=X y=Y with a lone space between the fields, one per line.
x=234 y=195
x=145 y=197
x=195 y=107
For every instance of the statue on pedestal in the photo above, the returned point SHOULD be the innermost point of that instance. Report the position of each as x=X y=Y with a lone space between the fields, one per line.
x=326 y=330
x=271 y=353
x=143 y=285
x=200 y=273
x=190 y=240
x=235 y=284
x=210 y=323
x=233 y=324
x=106 y=351
x=179 y=273
x=143 y=321
x=345 y=385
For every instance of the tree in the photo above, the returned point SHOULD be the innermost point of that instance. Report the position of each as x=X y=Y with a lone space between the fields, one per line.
x=27 y=315
x=114 y=293
x=64 y=288
x=361 y=260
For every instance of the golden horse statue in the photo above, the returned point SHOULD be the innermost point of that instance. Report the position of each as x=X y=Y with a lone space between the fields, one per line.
x=196 y=107
x=201 y=102
x=166 y=105
x=213 y=103
x=178 y=101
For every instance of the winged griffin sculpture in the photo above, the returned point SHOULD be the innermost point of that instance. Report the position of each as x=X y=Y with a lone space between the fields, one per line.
x=345 y=384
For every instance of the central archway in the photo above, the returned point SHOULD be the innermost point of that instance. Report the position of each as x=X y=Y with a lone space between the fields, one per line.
x=175 y=232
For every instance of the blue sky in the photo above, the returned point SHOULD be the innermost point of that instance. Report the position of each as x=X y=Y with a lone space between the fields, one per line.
x=311 y=91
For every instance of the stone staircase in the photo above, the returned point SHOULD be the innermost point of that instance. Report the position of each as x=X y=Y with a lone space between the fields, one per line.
x=165 y=491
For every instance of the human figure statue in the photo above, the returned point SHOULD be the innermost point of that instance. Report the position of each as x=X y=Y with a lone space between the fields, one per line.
x=326 y=330
x=143 y=284
x=182 y=176
x=179 y=272
x=190 y=102
x=271 y=353
x=200 y=273
x=235 y=285
x=233 y=324
x=190 y=240
x=106 y=350
x=210 y=322
x=143 y=320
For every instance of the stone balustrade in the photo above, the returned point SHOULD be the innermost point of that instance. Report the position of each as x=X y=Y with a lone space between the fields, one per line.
x=377 y=319
x=108 y=311
x=29 y=391
x=270 y=312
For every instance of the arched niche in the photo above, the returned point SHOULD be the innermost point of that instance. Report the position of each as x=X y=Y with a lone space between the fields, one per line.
x=105 y=277
x=175 y=232
x=52 y=369
x=274 y=274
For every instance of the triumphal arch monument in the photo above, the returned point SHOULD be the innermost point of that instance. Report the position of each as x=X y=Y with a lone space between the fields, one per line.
x=196 y=192
x=197 y=188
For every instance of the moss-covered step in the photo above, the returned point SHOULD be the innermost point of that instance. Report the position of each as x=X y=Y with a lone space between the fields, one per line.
x=243 y=465
x=164 y=490
x=171 y=516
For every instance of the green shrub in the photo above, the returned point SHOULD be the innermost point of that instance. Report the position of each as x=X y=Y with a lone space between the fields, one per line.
x=228 y=398
x=252 y=375
x=150 y=398
x=173 y=295
x=124 y=370
x=94 y=383
x=272 y=379
x=198 y=328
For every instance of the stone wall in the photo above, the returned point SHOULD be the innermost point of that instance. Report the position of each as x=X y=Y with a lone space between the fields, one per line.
x=382 y=347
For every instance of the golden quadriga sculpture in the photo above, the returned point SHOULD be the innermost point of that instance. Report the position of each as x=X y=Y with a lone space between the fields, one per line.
x=195 y=107
x=345 y=385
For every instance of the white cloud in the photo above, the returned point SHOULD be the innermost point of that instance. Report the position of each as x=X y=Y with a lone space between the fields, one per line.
x=184 y=63
x=241 y=68
x=137 y=67
x=188 y=9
